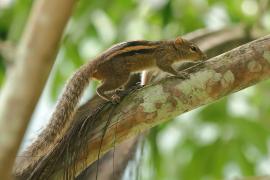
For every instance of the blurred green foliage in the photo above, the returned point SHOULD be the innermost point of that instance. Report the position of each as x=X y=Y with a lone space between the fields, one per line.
x=226 y=139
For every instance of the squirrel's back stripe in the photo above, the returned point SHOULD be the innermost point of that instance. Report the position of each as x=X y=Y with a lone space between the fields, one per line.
x=124 y=48
x=132 y=50
x=136 y=51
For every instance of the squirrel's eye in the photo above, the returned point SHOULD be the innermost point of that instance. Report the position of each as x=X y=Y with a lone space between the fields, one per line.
x=193 y=48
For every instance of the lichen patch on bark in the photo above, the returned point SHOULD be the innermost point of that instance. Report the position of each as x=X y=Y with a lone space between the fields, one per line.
x=254 y=66
x=266 y=55
x=157 y=96
x=227 y=79
x=196 y=84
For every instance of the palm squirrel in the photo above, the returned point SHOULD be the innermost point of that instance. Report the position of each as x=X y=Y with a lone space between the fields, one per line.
x=113 y=68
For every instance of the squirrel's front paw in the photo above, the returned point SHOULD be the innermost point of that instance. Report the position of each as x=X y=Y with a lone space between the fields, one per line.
x=183 y=75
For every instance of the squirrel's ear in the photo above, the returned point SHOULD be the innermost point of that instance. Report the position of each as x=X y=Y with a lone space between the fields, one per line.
x=179 y=41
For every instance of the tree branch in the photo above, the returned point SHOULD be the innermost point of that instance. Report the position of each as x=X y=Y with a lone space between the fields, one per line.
x=142 y=109
x=33 y=62
x=154 y=104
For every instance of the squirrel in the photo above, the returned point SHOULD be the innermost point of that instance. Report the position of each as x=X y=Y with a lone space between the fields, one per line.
x=113 y=68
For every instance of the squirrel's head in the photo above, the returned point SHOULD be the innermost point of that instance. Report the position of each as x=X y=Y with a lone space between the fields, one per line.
x=188 y=50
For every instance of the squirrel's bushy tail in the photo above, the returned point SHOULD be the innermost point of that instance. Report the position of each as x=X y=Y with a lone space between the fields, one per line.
x=60 y=119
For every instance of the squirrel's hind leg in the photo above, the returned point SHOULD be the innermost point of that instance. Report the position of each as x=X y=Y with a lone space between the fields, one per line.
x=112 y=83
